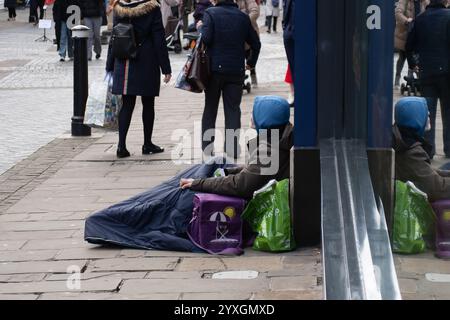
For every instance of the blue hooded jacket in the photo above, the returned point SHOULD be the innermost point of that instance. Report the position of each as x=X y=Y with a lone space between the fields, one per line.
x=270 y=112
x=412 y=113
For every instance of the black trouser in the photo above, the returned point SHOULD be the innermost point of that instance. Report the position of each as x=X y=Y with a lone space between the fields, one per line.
x=400 y=62
x=433 y=88
x=289 y=46
x=230 y=88
x=12 y=13
x=126 y=113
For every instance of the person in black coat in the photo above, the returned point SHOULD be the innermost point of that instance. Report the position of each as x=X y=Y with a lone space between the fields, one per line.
x=34 y=5
x=430 y=39
x=140 y=76
x=225 y=30
x=11 y=5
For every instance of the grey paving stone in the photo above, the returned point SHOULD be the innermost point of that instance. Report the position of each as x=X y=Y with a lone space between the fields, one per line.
x=193 y=286
x=33 y=277
x=201 y=264
x=217 y=296
x=18 y=296
x=56 y=244
x=289 y=295
x=129 y=264
x=109 y=284
x=303 y=283
x=87 y=253
x=11 y=245
x=261 y=264
x=27 y=255
x=39 y=266
x=34 y=235
x=98 y=275
x=44 y=225
x=424 y=265
x=173 y=275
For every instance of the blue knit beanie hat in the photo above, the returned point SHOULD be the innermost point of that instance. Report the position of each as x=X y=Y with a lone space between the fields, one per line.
x=270 y=112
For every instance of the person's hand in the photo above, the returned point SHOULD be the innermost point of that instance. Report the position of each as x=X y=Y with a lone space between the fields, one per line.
x=167 y=78
x=409 y=20
x=199 y=24
x=247 y=67
x=186 y=183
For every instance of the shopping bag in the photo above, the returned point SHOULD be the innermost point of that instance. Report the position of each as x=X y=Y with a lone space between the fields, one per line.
x=414 y=220
x=199 y=73
x=102 y=107
x=182 y=80
x=269 y=215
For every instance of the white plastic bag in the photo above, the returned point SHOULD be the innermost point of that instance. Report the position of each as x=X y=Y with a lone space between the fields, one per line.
x=103 y=107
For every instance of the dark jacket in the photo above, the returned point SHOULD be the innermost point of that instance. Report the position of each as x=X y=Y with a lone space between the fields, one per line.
x=91 y=8
x=141 y=76
x=430 y=38
x=412 y=163
x=244 y=181
x=288 y=19
x=10 y=3
x=60 y=10
x=225 y=31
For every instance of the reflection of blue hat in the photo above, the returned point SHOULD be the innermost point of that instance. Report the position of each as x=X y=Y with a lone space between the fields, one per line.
x=270 y=112
x=412 y=113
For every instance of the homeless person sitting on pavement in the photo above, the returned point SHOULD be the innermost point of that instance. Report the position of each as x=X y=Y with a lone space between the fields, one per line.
x=412 y=152
x=159 y=217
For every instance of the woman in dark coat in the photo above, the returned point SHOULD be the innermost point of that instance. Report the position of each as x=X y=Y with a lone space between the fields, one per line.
x=11 y=5
x=140 y=76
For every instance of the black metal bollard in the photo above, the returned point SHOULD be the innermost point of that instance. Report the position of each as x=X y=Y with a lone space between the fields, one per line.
x=80 y=35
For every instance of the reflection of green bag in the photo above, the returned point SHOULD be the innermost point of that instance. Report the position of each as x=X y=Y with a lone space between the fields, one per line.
x=414 y=219
x=268 y=214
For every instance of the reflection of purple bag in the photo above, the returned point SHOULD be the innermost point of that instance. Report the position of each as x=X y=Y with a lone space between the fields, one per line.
x=216 y=225
x=442 y=210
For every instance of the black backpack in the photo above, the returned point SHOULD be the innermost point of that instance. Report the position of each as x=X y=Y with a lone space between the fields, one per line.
x=123 y=41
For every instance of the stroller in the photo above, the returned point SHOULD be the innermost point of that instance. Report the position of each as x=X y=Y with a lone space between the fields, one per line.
x=412 y=85
x=173 y=34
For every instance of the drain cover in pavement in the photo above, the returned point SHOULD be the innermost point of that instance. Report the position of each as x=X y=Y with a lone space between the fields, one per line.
x=437 y=277
x=236 y=275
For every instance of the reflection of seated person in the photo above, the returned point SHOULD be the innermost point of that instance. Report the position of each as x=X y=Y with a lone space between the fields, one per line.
x=412 y=161
x=269 y=113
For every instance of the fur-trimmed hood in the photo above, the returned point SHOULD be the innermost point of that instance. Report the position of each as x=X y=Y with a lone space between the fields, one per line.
x=135 y=8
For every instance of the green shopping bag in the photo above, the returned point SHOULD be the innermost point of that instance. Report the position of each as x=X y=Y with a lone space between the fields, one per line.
x=268 y=214
x=414 y=220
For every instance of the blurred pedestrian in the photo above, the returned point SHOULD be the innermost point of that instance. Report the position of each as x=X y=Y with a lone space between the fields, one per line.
x=140 y=76
x=405 y=13
x=34 y=6
x=272 y=14
x=430 y=39
x=288 y=79
x=168 y=10
x=60 y=17
x=225 y=30
x=92 y=12
x=11 y=5
x=289 y=33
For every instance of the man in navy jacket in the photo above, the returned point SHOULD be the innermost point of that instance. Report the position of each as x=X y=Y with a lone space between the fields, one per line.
x=225 y=31
x=430 y=39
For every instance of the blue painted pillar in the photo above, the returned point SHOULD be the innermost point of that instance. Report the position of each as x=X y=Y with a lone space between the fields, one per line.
x=306 y=74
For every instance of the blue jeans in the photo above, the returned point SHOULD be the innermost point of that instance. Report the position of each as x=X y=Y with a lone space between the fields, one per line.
x=66 y=43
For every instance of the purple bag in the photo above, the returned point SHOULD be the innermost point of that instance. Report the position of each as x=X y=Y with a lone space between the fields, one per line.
x=442 y=210
x=216 y=224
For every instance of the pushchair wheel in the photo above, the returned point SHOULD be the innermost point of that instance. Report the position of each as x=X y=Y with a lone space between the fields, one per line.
x=177 y=48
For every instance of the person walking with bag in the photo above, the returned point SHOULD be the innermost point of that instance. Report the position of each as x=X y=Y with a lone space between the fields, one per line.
x=139 y=75
x=225 y=30
x=405 y=13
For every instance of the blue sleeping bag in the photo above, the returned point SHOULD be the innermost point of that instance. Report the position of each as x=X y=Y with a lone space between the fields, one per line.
x=155 y=219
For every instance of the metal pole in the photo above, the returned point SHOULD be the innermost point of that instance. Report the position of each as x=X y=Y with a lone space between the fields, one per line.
x=80 y=35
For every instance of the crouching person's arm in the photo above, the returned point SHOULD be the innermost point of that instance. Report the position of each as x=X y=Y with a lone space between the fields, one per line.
x=242 y=184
